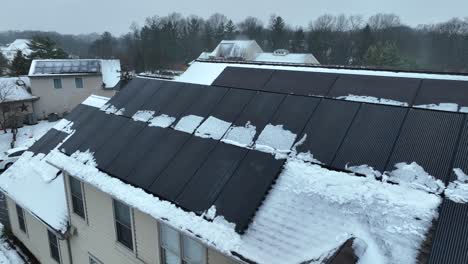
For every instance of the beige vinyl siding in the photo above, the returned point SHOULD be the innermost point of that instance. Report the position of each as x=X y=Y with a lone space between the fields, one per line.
x=214 y=257
x=146 y=234
x=62 y=100
x=36 y=239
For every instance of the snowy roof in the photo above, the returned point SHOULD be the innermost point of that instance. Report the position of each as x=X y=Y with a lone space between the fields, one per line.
x=300 y=58
x=10 y=50
x=15 y=89
x=237 y=163
x=109 y=69
x=38 y=186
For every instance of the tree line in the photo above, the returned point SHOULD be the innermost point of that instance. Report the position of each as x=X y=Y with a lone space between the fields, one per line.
x=381 y=40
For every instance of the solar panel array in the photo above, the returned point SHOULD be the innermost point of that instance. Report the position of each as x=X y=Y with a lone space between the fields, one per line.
x=67 y=66
x=197 y=173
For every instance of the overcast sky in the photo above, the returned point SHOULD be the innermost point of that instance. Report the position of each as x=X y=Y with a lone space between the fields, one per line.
x=116 y=16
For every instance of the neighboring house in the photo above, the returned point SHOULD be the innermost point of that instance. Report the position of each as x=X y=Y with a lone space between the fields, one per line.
x=10 y=50
x=272 y=164
x=63 y=84
x=250 y=51
x=16 y=99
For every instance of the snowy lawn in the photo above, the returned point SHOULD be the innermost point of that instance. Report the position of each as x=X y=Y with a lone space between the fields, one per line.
x=27 y=135
x=7 y=254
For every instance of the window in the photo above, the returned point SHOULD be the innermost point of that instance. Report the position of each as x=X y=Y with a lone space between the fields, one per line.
x=79 y=82
x=21 y=221
x=54 y=246
x=77 y=197
x=94 y=260
x=123 y=224
x=179 y=249
x=57 y=83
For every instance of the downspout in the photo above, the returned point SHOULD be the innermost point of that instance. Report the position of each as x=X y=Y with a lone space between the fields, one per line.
x=70 y=256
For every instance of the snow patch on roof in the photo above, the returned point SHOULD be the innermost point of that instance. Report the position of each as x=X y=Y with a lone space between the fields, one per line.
x=452 y=107
x=300 y=58
x=110 y=70
x=189 y=123
x=86 y=157
x=162 y=121
x=391 y=219
x=274 y=139
x=11 y=90
x=213 y=128
x=143 y=115
x=64 y=125
x=457 y=190
x=464 y=109
x=96 y=101
x=414 y=176
x=241 y=136
x=371 y=99
x=366 y=170
x=34 y=185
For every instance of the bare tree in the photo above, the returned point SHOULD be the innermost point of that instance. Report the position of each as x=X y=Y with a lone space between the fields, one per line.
x=6 y=91
x=382 y=21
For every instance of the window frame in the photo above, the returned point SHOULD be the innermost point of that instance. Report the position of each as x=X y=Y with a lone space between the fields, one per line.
x=93 y=258
x=180 y=254
x=76 y=83
x=57 y=83
x=117 y=223
x=74 y=197
x=21 y=219
x=52 y=246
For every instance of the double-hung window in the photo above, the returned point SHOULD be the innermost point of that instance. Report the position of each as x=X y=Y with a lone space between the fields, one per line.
x=57 y=83
x=21 y=220
x=123 y=224
x=76 y=190
x=180 y=249
x=79 y=82
x=54 y=246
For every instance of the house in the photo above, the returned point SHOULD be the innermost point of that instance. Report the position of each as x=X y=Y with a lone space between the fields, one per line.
x=16 y=100
x=253 y=164
x=63 y=84
x=250 y=51
x=10 y=50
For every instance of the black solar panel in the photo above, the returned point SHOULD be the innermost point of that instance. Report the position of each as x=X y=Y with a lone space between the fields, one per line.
x=428 y=138
x=208 y=98
x=443 y=91
x=301 y=83
x=162 y=151
x=371 y=137
x=204 y=187
x=144 y=93
x=232 y=104
x=128 y=92
x=182 y=167
x=327 y=128
x=398 y=89
x=48 y=142
x=244 y=78
x=450 y=244
x=246 y=189
x=165 y=95
x=67 y=66
x=80 y=118
x=461 y=157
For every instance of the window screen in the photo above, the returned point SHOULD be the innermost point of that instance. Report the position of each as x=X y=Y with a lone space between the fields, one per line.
x=57 y=83
x=123 y=224
x=77 y=197
x=179 y=249
x=79 y=82
x=21 y=221
x=54 y=246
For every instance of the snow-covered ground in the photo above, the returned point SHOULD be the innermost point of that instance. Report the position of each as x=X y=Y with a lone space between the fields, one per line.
x=7 y=254
x=27 y=135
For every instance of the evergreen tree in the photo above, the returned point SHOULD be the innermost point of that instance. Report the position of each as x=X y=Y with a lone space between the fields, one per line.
x=364 y=40
x=383 y=54
x=3 y=64
x=230 y=29
x=278 y=32
x=45 y=48
x=297 y=44
x=20 y=64
x=104 y=47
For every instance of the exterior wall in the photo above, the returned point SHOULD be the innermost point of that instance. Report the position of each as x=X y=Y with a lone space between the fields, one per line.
x=62 y=100
x=21 y=115
x=96 y=235
x=36 y=239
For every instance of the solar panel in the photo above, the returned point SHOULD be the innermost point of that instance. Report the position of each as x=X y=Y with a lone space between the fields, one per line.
x=244 y=78
x=371 y=137
x=48 y=142
x=246 y=189
x=398 y=89
x=208 y=98
x=204 y=187
x=327 y=128
x=145 y=92
x=232 y=104
x=449 y=245
x=67 y=66
x=128 y=158
x=129 y=91
x=428 y=138
x=182 y=167
x=294 y=112
x=442 y=91
x=461 y=157
x=80 y=119
x=120 y=139
x=162 y=151
x=301 y=83
x=166 y=95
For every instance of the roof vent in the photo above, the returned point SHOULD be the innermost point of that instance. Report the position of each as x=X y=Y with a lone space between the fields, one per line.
x=281 y=52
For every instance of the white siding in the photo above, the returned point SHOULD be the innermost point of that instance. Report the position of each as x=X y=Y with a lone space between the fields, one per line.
x=36 y=239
